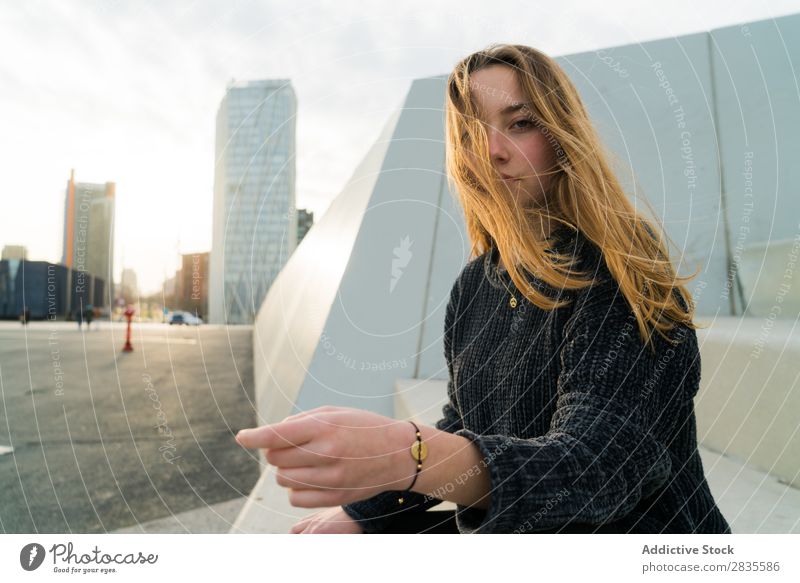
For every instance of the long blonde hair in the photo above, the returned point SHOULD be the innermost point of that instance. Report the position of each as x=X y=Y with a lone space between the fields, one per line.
x=584 y=195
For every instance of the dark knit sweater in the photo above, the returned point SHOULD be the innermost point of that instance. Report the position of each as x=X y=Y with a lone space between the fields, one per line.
x=581 y=427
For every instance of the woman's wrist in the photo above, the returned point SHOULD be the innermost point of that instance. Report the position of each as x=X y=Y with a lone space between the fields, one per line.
x=453 y=470
x=403 y=467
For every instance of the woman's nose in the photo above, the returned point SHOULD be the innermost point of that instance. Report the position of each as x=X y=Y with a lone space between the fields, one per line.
x=498 y=148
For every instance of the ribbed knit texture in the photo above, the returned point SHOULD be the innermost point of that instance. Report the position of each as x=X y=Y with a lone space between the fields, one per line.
x=582 y=428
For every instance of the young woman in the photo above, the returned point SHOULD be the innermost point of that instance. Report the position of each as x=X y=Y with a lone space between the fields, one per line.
x=569 y=341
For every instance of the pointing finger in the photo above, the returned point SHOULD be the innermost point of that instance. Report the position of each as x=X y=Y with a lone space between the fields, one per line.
x=284 y=434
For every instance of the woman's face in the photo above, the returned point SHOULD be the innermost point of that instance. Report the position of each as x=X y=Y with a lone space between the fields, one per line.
x=518 y=149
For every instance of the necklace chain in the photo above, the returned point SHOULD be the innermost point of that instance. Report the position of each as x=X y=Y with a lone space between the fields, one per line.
x=513 y=301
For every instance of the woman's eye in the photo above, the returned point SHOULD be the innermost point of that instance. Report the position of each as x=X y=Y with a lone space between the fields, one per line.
x=526 y=124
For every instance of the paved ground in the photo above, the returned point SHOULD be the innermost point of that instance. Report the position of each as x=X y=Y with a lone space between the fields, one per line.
x=213 y=519
x=93 y=439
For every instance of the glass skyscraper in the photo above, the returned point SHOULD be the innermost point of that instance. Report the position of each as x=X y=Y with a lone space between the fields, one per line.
x=255 y=223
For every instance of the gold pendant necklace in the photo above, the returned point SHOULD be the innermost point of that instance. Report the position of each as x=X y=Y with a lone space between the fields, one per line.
x=513 y=301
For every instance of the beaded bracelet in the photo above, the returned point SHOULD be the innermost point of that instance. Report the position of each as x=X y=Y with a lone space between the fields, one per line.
x=419 y=451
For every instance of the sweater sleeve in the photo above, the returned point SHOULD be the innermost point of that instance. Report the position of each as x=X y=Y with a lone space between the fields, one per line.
x=377 y=513
x=598 y=458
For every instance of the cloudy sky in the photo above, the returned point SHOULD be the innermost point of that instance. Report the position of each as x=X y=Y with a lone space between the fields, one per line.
x=127 y=91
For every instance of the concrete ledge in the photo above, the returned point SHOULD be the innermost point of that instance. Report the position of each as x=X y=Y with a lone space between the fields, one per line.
x=748 y=405
x=213 y=519
x=419 y=400
x=267 y=509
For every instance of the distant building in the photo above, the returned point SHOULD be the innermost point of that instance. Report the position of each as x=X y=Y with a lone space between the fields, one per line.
x=192 y=284
x=254 y=230
x=88 y=244
x=129 y=288
x=43 y=288
x=15 y=252
x=168 y=289
x=305 y=220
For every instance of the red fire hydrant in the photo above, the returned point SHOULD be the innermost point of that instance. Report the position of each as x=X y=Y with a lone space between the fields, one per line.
x=129 y=312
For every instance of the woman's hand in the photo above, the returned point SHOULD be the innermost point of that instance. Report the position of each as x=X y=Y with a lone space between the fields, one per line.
x=330 y=456
x=328 y=521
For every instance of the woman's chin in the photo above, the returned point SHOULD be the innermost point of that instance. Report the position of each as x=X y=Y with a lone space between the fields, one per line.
x=526 y=200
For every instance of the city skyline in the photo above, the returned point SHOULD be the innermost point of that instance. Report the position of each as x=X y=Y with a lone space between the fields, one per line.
x=149 y=125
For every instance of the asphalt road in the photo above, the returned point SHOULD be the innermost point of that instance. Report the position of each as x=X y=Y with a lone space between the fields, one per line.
x=93 y=439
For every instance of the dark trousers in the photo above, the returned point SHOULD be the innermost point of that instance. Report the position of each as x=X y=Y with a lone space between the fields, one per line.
x=429 y=522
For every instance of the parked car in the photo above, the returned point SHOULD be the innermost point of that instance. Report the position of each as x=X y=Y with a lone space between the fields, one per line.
x=191 y=319
x=186 y=318
x=176 y=318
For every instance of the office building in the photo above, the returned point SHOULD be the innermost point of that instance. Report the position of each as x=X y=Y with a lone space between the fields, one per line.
x=254 y=228
x=88 y=243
